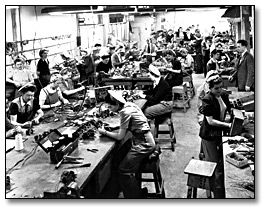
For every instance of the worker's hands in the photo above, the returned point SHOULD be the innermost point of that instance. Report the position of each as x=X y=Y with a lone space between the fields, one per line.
x=141 y=94
x=81 y=88
x=58 y=103
x=66 y=101
x=36 y=120
x=27 y=124
x=230 y=78
x=247 y=88
x=18 y=129
x=102 y=131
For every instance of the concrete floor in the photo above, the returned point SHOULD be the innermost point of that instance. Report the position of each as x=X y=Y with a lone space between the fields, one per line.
x=187 y=146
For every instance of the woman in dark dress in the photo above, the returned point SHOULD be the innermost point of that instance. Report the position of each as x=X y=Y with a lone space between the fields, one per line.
x=43 y=71
x=214 y=107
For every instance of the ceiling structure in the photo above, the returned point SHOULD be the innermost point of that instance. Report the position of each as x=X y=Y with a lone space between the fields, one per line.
x=136 y=10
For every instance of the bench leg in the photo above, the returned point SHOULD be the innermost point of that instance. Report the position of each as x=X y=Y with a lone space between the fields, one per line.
x=194 y=192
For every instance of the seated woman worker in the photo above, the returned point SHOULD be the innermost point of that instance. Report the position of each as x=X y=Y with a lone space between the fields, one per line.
x=215 y=104
x=131 y=119
x=25 y=108
x=159 y=99
x=68 y=90
x=51 y=96
x=174 y=76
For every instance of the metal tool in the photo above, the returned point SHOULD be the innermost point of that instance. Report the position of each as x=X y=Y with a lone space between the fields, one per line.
x=69 y=159
x=79 y=166
x=93 y=150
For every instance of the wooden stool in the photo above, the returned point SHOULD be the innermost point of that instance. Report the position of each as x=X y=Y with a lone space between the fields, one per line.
x=152 y=166
x=199 y=176
x=182 y=91
x=190 y=85
x=165 y=119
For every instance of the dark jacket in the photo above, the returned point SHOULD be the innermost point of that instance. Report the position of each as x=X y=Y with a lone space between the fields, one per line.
x=43 y=67
x=245 y=72
x=89 y=65
x=210 y=107
x=162 y=92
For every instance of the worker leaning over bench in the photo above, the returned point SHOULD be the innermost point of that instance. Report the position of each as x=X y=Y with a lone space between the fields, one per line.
x=51 y=96
x=25 y=108
x=159 y=99
x=131 y=119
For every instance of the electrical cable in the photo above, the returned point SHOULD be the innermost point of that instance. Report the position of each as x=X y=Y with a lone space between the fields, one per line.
x=23 y=160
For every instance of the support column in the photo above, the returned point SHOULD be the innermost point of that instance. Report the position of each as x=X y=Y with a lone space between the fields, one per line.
x=245 y=25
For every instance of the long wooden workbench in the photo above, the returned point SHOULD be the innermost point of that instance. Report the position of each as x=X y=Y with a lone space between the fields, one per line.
x=37 y=174
x=235 y=177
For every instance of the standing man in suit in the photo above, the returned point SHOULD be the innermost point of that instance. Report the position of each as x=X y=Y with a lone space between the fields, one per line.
x=149 y=48
x=244 y=74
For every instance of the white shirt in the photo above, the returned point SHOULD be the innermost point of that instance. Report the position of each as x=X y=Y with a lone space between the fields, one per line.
x=222 y=108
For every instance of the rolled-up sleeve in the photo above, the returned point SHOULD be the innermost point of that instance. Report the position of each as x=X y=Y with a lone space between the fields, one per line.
x=125 y=119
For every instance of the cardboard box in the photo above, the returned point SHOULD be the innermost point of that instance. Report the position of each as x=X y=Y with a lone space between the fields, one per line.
x=237 y=122
x=236 y=159
x=248 y=102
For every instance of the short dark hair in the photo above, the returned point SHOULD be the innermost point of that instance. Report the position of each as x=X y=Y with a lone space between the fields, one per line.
x=243 y=42
x=18 y=60
x=213 y=52
x=169 y=52
x=42 y=51
x=97 y=45
x=215 y=81
x=105 y=56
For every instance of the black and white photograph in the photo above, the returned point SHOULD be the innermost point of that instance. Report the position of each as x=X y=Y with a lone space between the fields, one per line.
x=130 y=102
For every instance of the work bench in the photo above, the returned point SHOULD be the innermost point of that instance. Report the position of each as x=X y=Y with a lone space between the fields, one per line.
x=128 y=82
x=235 y=177
x=38 y=175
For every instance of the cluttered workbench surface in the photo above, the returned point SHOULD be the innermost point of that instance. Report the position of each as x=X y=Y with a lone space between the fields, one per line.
x=32 y=172
x=238 y=168
x=239 y=147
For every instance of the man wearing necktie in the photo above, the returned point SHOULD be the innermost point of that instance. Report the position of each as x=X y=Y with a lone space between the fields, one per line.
x=25 y=109
x=245 y=70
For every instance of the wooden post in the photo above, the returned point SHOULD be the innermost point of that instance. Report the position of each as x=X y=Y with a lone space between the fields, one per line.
x=14 y=24
x=245 y=26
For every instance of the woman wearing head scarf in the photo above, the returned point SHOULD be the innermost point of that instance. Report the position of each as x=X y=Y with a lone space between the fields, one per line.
x=25 y=108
